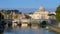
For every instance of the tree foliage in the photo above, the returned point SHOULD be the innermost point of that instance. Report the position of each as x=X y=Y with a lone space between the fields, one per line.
x=50 y=14
x=9 y=11
x=58 y=13
x=1 y=16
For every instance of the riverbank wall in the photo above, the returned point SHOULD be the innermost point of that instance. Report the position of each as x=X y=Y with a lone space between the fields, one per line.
x=55 y=29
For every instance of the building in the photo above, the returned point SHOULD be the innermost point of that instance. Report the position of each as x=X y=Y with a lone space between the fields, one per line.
x=21 y=16
x=41 y=13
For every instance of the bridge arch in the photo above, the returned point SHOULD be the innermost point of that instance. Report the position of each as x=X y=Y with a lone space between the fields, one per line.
x=44 y=23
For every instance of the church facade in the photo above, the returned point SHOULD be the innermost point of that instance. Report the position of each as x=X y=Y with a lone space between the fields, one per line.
x=40 y=14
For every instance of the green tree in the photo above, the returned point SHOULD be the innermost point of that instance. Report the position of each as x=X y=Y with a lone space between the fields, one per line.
x=50 y=14
x=10 y=16
x=58 y=13
x=16 y=16
x=9 y=11
x=1 y=16
x=4 y=12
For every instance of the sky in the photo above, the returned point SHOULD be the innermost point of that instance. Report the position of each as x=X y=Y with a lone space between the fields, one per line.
x=16 y=4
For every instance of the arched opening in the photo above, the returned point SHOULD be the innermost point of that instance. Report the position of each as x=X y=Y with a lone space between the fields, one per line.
x=44 y=24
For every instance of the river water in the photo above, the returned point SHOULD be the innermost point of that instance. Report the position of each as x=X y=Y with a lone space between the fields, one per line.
x=27 y=30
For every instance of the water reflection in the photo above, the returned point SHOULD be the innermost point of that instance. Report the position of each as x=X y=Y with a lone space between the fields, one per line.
x=28 y=30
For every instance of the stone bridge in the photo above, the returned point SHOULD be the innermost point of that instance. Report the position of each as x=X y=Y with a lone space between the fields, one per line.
x=25 y=22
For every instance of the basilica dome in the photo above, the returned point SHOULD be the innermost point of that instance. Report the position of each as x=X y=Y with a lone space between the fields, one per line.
x=41 y=8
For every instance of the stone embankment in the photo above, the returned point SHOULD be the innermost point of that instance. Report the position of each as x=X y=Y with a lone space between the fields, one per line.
x=53 y=28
